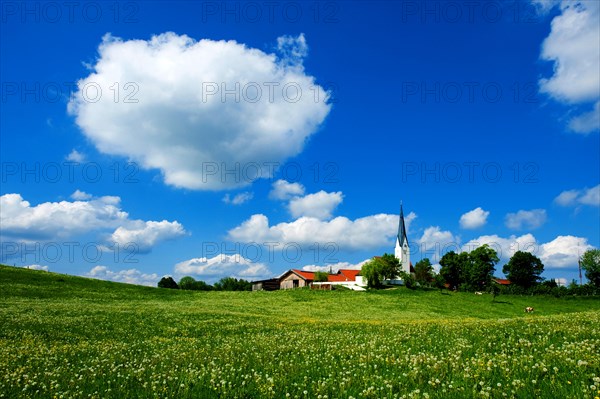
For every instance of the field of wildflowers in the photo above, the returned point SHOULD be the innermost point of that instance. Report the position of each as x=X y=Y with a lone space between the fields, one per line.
x=66 y=337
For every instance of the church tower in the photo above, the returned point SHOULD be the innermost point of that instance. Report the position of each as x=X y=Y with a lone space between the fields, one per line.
x=402 y=250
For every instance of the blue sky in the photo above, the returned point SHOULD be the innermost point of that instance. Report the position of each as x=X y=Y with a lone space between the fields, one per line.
x=142 y=139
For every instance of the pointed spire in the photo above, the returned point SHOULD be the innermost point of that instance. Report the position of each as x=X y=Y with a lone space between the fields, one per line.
x=401 y=228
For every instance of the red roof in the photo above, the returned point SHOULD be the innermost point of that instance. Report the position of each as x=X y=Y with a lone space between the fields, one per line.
x=350 y=273
x=502 y=281
x=304 y=274
x=341 y=275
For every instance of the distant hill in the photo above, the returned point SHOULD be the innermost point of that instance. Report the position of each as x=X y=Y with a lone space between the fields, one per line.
x=387 y=306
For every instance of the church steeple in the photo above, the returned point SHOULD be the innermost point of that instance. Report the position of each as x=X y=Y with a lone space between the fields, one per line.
x=402 y=250
x=402 y=238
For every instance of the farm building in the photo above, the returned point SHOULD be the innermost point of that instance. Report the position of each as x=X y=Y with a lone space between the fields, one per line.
x=296 y=278
x=271 y=284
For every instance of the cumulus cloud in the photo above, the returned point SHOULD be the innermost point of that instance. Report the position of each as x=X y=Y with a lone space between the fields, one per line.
x=196 y=110
x=334 y=267
x=504 y=246
x=563 y=251
x=145 y=235
x=586 y=196
x=37 y=267
x=525 y=219
x=222 y=265
x=363 y=233
x=434 y=242
x=238 y=199
x=129 y=276
x=284 y=190
x=319 y=205
x=47 y=221
x=75 y=156
x=474 y=219
x=574 y=47
x=50 y=220
x=79 y=195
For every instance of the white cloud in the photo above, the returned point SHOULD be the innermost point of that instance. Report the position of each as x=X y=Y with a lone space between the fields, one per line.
x=37 y=267
x=567 y=198
x=75 y=156
x=319 y=205
x=145 y=235
x=574 y=47
x=283 y=190
x=51 y=220
x=563 y=251
x=363 y=233
x=130 y=276
x=223 y=265
x=505 y=247
x=586 y=196
x=293 y=49
x=545 y=5
x=238 y=199
x=80 y=195
x=586 y=122
x=62 y=220
x=474 y=219
x=561 y=281
x=525 y=219
x=334 y=267
x=174 y=113
x=435 y=242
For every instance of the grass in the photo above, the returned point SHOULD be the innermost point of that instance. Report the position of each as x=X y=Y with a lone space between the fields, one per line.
x=65 y=336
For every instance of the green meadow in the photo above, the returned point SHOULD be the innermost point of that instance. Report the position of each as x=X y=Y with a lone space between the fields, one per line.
x=70 y=337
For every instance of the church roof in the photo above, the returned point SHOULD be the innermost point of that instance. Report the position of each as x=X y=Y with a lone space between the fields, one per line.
x=402 y=229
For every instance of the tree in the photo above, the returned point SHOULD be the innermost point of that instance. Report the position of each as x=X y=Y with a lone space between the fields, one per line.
x=451 y=270
x=438 y=282
x=390 y=266
x=590 y=262
x=321 y=277
x=424 y=272
x=167 y=282
x=495 y=290
x=233 y=284
x=372 y=271
x=187 y=283
x=524 y=269
x=202 y=286
x=480 y=268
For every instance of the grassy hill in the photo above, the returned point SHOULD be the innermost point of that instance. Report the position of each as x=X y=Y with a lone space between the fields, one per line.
x=78 y=337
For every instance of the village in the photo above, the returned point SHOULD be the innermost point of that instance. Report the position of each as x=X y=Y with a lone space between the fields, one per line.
x=348 y=278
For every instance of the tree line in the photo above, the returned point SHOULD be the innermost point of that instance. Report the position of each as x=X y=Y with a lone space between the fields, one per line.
x=474 y=271
x=189 y=283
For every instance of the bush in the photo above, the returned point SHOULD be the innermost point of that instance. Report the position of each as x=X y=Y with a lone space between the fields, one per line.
x=167 y=282
x=409 y=280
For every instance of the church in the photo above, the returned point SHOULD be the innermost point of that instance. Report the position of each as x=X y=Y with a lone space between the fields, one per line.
x=402 y=250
